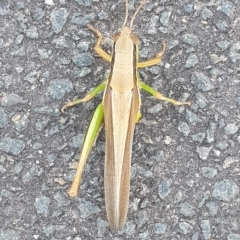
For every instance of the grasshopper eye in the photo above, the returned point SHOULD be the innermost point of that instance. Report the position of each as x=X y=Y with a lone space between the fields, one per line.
x=116 y=36
x=134 y=38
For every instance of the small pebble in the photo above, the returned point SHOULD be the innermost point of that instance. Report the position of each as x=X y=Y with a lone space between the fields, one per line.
x=102 y=226
x=61 y=199
x=190 y=39
x=228 y=161
x=178 y=196
x=228 y=8
x=19 y=39
x=32 y=77
x=225 y=190
x=22 y=123
x=83 y=20
x=210 y=132
x=192 y=117
x=185 y=227
x=203 y=152
x=58 y=19
x=206 y=14
x=3 y=118
x=201 y=101
x=206 y=229
x=164 y=18
x=231 y=128
x=83 y=59
x=152 y=25
x=11 y=145
x=103 y=15
x=198 y=137
x=21 y=52
x=164 y=188
x=209 y=172
x=60 y=42
x=184 y=128
x=221 y=25
x=32 y=32
x=11 y=99
x=213 y=207
x=221 y=123
x=41 y=204
x=223 y=45
x=87 y=208
x=201 y=81
x=191 y=61
x=160 y=228
x=7 y=234
x=44 y=54
x=188 y=8
x=187 y=210
x=58 y=88
x=233 y=236
x=222 y=145
x=38 y=13
x=195 y=236
x=83 y=46
x=86 y=3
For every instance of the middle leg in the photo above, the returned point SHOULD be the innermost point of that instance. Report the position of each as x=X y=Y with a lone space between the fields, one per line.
x=159 y=96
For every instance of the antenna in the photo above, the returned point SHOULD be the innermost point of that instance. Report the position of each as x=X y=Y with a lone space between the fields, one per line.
x=136 y=12
x=126 y=17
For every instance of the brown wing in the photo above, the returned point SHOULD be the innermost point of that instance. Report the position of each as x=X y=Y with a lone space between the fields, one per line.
x=120 y=114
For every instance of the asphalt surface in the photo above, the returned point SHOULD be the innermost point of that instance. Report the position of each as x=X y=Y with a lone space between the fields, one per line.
x=185 y=162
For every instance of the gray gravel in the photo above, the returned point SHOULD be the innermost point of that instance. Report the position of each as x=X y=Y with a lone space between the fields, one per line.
x=185 y=163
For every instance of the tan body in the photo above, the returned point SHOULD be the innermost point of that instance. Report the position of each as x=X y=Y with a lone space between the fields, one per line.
x=121 y=104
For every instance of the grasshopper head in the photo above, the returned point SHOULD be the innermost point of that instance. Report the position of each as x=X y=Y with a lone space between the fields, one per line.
x=126 y=33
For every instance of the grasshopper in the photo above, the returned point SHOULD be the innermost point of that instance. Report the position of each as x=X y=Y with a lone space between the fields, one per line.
x=120 y=109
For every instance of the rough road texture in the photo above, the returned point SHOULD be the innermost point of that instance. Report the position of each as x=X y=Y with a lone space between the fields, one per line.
x=185 y=163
